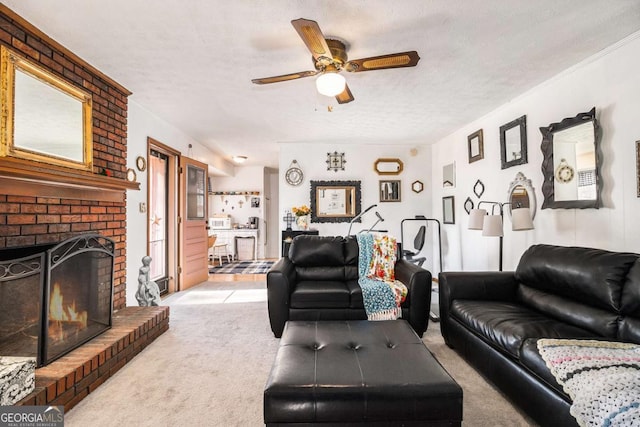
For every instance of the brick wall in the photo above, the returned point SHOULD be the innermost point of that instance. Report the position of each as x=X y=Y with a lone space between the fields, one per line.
x=33 y=220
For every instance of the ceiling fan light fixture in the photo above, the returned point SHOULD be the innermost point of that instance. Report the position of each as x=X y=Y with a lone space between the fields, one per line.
x=239 y=159
x=330 y=83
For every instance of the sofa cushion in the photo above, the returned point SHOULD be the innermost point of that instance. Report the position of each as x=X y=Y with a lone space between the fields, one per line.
x=590 y=276
x=505 y=325
x=316 y=251
x=355 y=294
x=320 y=273
x=531 y=359
x=629 y=327
x=320 y=294
x=596 y=320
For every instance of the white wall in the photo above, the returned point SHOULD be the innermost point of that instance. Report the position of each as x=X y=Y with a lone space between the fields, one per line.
x=609 y=81
x=143 y=124
x=359 y=166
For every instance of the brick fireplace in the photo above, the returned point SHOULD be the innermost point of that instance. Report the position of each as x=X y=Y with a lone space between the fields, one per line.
x=48 y=204
x=29 y=215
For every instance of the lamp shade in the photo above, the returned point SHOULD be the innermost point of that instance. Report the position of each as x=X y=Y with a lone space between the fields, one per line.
x=476 y=219
x=492 y=226
x=330 y=84
x=521 y=219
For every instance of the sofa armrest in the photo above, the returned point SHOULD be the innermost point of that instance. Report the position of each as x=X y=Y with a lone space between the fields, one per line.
x=280 y=281
x=473 y=285
x=418 y=283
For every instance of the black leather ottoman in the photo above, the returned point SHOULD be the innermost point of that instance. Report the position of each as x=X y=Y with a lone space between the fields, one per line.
x=343 y=373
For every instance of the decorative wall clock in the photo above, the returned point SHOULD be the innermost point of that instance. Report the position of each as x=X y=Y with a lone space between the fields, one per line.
x=141 y=163
x=335 y=161
x=294 y=175
x=564 y=172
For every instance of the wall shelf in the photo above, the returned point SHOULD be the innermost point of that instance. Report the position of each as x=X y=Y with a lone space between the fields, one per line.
x=234 y=193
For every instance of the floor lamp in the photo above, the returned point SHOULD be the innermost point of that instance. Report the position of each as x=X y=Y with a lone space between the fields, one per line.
x=492 y=225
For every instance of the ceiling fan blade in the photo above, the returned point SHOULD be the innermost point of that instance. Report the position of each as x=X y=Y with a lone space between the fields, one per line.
x=311 y=35
x=284 y=78
x=345 y=96
x=394 y=60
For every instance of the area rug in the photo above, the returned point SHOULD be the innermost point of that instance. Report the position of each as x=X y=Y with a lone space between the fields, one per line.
x=242 y=267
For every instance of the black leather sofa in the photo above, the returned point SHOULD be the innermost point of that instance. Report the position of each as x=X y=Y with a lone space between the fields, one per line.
x=494 y=319
x=319 y=281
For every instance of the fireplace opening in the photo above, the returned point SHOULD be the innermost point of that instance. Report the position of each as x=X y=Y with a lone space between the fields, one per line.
x=54 y=298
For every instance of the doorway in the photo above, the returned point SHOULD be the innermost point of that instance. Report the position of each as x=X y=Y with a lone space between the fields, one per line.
x=162 y=215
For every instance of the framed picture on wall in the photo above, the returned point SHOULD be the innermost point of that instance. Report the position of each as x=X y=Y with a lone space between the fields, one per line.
x=638 y=167
x=448 y=210
x=390 y=191
x=475 y=146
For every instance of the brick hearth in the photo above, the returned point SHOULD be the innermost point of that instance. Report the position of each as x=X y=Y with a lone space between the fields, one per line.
x=71 y=378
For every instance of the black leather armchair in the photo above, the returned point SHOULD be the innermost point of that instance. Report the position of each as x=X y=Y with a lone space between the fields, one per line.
x=319 y=281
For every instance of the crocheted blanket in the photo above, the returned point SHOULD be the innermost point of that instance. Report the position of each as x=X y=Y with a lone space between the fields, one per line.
x=382 y=295
x=602 y=378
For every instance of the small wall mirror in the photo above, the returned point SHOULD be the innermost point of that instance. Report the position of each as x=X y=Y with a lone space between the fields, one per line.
x=334 y=201
x=522 y=194
x=571 y=164
x=513 y=143
x=449 y=175
x=47 y=119
x=448 y=210
x=388 y=166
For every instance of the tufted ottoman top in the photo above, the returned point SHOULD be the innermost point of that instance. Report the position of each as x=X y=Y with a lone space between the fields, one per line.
x=358 y=372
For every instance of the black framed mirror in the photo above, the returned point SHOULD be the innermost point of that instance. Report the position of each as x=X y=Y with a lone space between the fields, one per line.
x=571 y=164
x=334 y=201
x=513 y=143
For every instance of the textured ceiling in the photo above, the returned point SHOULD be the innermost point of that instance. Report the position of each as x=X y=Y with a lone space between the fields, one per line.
x=191 y=62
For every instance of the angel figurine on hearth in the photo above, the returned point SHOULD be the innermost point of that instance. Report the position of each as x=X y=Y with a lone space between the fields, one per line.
x=148 y=291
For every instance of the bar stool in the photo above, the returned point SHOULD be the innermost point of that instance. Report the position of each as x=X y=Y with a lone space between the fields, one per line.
x=218 y=249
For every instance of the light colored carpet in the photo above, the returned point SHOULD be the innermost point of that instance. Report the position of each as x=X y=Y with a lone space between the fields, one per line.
x=210 y=368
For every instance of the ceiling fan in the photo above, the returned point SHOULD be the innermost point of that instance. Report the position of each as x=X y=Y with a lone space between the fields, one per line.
x=330 y=58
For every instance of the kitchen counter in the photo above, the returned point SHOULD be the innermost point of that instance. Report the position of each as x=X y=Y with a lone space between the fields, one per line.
x=228 y=236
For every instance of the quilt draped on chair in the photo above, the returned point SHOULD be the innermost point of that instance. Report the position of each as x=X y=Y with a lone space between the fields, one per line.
x=381 y=293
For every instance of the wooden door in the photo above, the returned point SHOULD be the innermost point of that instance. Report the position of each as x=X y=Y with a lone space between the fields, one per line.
x=194 y=268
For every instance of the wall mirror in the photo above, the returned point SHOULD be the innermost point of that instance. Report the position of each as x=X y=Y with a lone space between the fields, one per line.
x=47 y=119
x=448 y=210
x=449 y=175
x=513 y=143
x=521 y=194
x=571 y=164
x=334 y=201
x=388 y=166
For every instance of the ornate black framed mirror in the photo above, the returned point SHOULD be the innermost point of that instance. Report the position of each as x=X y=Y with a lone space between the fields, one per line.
x=571 y=164
x=334 y=201
x=513 y=143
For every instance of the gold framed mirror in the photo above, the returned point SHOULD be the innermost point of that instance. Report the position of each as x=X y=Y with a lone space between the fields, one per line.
x=334 y=201
x=388 y=166
x=46 y=119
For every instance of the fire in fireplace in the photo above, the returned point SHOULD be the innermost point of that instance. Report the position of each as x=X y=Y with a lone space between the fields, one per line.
x=55 y=298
